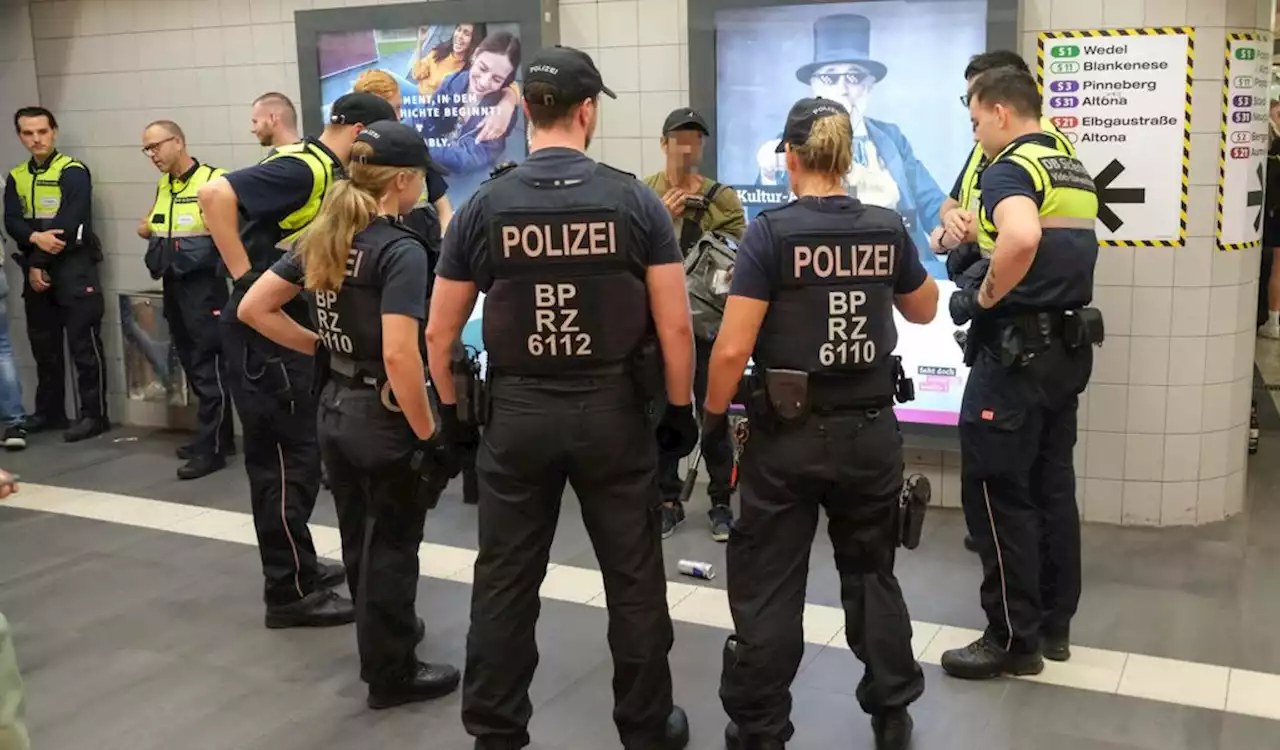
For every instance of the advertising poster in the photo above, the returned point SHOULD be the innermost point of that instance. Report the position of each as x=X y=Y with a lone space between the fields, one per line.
x=1123 y=97
x=1242 y=162
x=898 y=67
x=458 y=86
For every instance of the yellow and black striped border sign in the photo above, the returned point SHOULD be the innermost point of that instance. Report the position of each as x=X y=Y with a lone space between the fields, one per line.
x=1190 y=34
x=1222 y=143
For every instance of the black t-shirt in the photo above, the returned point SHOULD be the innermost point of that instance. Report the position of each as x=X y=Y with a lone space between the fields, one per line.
x=755 y=271
x=403 y=273
x=465 y=258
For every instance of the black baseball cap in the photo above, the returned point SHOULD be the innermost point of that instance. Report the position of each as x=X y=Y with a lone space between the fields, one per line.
x=360 y=109
x=803 y=115
x=395 y=145
x=685 y=119
x=571 y=72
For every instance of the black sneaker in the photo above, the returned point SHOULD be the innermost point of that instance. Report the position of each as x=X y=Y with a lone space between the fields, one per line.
x=733 y=740
x=672 y=516
x=984 y=659
x=1056 y=648
x=428 y=682
x=319 y=609
x=677 y=735
x=188 y=452
x=15 y=437
x=721 y=519
x=892 y=729
x=41 y=423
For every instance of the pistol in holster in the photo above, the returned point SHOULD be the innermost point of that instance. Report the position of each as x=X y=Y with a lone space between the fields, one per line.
x=432 y=477
x=788 y=394
x=904 y=388
x=913 y=504
x=751 y=394
x=472 y=391
x=647 y=373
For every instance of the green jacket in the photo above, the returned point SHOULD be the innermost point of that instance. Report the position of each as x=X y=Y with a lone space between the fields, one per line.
x=13 y=730
x=724 y=215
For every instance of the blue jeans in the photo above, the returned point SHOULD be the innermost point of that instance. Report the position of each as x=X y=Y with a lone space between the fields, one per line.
x=10 y=387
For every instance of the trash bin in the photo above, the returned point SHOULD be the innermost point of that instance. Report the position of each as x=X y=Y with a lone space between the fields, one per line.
x=151 y=367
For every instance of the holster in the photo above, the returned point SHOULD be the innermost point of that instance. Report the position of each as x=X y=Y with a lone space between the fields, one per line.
x=1083 y=327
x=913 y=504
x=432 y=478
x=647 y=372
x=472 y=391
x=904 y=388
x=788 y=394
x=759 y=411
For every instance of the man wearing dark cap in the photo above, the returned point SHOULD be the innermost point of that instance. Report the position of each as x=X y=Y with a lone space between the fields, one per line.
x=580 y=269
x=273 y=386
x=697 y=205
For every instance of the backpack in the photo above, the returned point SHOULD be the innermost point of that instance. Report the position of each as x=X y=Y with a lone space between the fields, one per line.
x=708 y=268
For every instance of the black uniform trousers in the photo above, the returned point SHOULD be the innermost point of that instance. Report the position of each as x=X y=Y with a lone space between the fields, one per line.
x=1017 y=437
x=593 y=433
x=849 y=464
x=272 y=387
x=77 y=315
x=192 y=307
x=367 y=450
x=717 y=458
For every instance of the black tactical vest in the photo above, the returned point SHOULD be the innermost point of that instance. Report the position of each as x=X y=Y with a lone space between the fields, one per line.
x=832 y=313
x=349 y=321
x=568 y=290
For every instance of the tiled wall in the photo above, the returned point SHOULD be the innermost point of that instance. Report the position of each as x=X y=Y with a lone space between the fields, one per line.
x=1163 y=426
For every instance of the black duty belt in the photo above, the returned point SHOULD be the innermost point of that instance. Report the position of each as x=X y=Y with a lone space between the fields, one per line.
x=620 y=368
x=354 y=374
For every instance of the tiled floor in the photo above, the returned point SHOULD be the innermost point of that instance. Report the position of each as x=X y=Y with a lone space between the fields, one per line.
x=135 y=601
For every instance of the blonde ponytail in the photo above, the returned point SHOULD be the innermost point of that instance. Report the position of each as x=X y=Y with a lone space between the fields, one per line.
x=349 y=207
x=829 y=149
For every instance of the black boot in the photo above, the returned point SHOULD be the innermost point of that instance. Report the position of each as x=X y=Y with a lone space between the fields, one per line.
x=428 y=681
x=892 y=729
x=1056 y=647
x=984 y=659
x=85 y=429
x=201 y=466
x=677 y=736
x=330 y=576
x=319 y=609
x=970 y=544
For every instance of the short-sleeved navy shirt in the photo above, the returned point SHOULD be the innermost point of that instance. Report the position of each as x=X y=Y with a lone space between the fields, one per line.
x=1005 y=179
x=755 y=271
x=272 y=190
x=464 y=256
x=403 y=274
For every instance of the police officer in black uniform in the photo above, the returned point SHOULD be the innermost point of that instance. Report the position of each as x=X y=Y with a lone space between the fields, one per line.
x=812 y=296
x=273 y=385
x=580 y=267
x=1030 y=357
x=370 y=301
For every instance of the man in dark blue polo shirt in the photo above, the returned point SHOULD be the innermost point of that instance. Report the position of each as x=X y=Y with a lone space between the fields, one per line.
x=272 y=385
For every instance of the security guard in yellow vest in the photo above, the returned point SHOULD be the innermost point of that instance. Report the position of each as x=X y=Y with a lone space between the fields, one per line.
x=181 y=253
x=958 y=233
x=274 y=387
x=48 y=210
x=1030 y=356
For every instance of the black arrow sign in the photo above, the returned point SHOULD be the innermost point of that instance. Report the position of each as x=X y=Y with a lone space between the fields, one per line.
x=1109 y=195
x=1254 y=198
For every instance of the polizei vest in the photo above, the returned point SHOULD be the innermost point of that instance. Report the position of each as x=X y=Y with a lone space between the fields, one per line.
x=568 y=290
x=832 y=312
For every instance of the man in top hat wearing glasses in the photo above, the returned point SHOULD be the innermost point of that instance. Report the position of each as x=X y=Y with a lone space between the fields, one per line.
x=885 y=170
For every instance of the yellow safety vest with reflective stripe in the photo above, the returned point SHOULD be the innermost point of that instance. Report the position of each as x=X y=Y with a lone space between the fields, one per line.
x=1070 y=199
x=177 y=211
x=970 y=195
x=322 y=172
x=39 y=190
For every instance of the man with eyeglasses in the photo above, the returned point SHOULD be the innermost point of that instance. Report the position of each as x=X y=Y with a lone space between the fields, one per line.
x=885 y=169
x=48 y=210
x=181 y=252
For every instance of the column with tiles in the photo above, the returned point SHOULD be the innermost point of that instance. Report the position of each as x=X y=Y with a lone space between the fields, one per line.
x=1164 y=423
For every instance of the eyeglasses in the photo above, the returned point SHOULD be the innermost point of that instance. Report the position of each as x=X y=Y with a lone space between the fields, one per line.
x=154 y=147
x=964 y=100
x=852 y=77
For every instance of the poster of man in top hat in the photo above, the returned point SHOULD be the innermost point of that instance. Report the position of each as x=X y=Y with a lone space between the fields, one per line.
x=836 y=62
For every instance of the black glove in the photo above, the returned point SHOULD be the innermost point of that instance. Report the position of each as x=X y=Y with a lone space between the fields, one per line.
x=961 y=258
x=242 y=284
x=678 y=430
x=454 y=432
x=715 y=437
x=964 y=306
